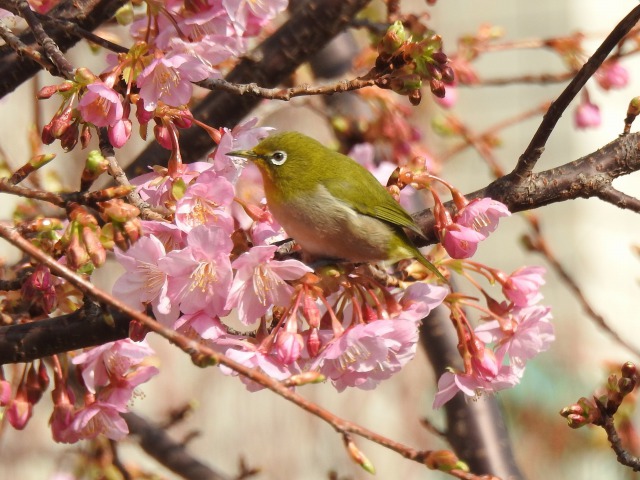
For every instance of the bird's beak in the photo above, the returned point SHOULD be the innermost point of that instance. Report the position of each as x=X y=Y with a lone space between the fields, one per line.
x=250 y=154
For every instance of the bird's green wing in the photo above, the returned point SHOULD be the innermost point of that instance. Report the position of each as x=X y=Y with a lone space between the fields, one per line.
x=367 y=196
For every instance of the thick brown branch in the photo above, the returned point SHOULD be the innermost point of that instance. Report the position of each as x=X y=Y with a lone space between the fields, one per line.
x=535 y=148
x=83 y=328
x=586 y=177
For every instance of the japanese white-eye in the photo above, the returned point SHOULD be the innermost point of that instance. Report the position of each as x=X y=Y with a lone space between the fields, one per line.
x=331 y=205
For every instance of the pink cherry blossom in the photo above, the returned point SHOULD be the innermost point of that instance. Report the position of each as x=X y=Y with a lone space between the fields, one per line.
x=155 y=187
x=206 y=326
x=612 y=75
x=366 y=354
x=471 y=225
x=288 y=346
x=260 y=282
x=451 y=383
x=522 y=287
x=168 y=79
x=482 y=215
x=251 y=357
x=112 y=363
x=419 y=299
x=169 y=234
x=100 y=418
x=205 y=202
x=200 y=275
x=243 y=136
x=460 y=241
x=250 y=16
x=532 y=333
x=100 y=105
x=587 y=115
x=144 y=282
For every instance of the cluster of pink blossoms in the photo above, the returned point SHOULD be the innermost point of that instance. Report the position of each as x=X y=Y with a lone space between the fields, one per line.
x=189 y=42
x=498 y=349
x=194 y=278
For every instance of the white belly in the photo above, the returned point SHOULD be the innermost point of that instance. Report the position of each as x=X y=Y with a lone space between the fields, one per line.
x=325 y=227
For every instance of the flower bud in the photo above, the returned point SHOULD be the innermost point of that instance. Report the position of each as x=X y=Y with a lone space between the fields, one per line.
x=313 y=342
x=393 y=39
x=5 y=393
x=629 y=370
x=19 y=410
x=357 y=456
x=445 y=461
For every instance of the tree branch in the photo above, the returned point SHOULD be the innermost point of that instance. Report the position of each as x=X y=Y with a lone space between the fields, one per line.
x=173 y=455
x=535 y=148
x=587 y=177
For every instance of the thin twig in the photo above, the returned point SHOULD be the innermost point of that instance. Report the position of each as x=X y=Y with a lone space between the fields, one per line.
x=252 y=89
x=619 y=199
x=118 y=174
x=45 y=41
x=624 y=457
x=24 y=50
x=534 y=150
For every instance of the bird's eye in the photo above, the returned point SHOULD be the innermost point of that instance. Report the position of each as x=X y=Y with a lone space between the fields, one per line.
x=279 y=157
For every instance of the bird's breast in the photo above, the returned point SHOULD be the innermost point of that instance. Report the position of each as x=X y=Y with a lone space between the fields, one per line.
x=327 y=227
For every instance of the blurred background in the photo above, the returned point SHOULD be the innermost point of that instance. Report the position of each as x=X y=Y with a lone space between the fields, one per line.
x=592 y=239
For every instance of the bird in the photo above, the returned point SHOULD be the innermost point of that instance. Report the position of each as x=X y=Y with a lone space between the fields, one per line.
x=331 y=205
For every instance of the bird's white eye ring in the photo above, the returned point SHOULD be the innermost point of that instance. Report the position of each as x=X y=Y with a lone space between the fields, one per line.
x=278 y=158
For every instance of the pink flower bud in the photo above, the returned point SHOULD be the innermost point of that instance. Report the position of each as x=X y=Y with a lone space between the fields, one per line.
x=288 y=346
x=587 y=115
x=20 y=409
x=313 y=342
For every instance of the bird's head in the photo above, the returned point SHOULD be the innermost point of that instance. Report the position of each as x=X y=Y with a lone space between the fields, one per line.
x=285 y=154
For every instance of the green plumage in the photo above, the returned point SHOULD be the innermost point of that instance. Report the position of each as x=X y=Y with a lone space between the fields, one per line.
x=330 y=204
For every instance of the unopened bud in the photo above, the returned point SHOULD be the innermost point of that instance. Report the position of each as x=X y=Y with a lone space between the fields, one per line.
x=445 y=461
x=304 y=379
x=437 y=87
x=96 y=251
x=629 y=370
x=357 y=456
x=69 y=139
x=393 y=39
x=85 y=76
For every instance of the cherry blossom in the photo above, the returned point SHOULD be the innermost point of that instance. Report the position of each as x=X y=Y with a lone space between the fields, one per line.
x=451 y=383
x=522 y=287
x=587 y=115
x=144 y=282
x=368 y=353
x=531 y=333
x=100 y=418
x=199 y=275
x=168 y=79
x=205 y=202
x=260 y=282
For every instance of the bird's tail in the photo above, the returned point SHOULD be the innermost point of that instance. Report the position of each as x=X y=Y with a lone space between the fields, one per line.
x=430 y=266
